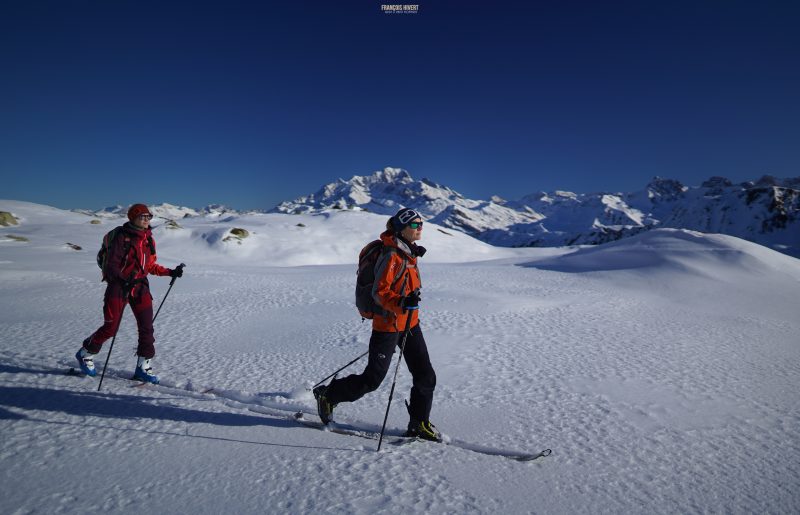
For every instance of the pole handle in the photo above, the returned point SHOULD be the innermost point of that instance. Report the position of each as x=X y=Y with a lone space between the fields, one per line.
x=177 y=267
x=166 y=294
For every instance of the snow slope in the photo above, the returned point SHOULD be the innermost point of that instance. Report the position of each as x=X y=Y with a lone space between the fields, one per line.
x=662 y=370
x=327 y=237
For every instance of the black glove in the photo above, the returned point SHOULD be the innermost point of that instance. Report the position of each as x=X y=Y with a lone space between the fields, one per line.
x=419 y=251
x=176 y=272
x=411 y=301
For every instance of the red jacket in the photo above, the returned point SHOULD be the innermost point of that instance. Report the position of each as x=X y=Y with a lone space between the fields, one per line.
x=132 y=256
x=389 y=297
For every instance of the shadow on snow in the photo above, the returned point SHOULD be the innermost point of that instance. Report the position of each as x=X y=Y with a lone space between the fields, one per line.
x=114 y=405
x=127 y=407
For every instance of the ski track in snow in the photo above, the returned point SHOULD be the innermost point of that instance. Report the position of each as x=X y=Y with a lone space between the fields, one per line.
x=656 y=394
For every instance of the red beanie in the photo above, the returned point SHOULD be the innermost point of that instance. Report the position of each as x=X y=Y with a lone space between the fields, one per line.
x=136 y=210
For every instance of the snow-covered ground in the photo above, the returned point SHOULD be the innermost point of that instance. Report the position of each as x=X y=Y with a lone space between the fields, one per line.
x=662 y=370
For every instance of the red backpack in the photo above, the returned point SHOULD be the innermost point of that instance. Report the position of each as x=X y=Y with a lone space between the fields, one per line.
x=102 y=254
x=365 y=278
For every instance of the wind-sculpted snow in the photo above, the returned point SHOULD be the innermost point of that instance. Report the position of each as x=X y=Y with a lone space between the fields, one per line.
x=680 y=250
x=661 y=370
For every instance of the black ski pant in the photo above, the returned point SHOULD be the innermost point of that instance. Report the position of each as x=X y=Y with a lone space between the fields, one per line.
x=381 y=349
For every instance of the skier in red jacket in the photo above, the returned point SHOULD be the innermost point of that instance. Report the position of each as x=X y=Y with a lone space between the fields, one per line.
x=131 y=256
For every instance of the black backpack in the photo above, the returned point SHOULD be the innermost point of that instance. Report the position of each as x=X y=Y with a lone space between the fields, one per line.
x=365 y=278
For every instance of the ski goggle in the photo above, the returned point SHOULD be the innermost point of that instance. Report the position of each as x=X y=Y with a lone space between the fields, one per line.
x=415 y=225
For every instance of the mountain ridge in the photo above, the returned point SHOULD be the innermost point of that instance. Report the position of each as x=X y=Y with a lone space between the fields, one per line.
x=764 y=211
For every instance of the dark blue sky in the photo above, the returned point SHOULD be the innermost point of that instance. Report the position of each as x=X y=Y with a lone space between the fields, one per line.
x=251 y=103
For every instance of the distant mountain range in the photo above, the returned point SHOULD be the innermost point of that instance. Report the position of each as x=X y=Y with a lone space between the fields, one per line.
x=168 y=211
x=765 y=211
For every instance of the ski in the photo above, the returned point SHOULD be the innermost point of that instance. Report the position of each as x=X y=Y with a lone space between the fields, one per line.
x=399 y=439
x=334 y=427
x=259 y=405
x=139 y=384
x=75 y=372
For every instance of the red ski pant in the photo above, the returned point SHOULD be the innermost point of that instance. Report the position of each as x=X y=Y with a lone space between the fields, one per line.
x=141 y=303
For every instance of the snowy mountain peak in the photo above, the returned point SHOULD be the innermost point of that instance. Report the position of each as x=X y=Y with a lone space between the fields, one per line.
x=393 y=175
x=218 y=210
x=387 y=190
x=768 y=181
x=666 y=189
x=717 y=182
x=383 y=191
x=172 y=212
x=387 y=176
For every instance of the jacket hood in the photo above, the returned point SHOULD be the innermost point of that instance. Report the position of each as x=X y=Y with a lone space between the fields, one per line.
x=390 y=239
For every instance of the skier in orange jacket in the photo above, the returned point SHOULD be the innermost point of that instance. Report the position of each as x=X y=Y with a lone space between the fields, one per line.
x=399 y=298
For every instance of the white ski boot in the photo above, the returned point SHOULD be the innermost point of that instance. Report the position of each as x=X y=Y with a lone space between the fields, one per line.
x=86 y=362
x=144 y=372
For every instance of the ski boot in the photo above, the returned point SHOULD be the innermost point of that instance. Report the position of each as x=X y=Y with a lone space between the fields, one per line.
x=144 y=372
x=423 y=429
x=324 y=406
x=86 y=362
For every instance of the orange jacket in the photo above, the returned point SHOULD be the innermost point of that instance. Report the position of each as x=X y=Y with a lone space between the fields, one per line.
x=389 y=289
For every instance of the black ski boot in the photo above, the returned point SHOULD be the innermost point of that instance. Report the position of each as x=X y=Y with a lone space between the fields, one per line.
x=423 y=429
x=324 y=407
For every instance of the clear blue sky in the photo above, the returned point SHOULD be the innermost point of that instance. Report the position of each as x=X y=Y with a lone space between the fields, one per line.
x=250 y=103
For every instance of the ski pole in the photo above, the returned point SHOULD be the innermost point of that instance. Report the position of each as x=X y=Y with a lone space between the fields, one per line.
x=168 y=290
x=358 y=358
x=399 y=359
x=125 y=292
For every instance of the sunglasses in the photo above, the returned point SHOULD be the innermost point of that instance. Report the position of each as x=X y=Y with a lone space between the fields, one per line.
x=415 y=225
x=145 y=217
